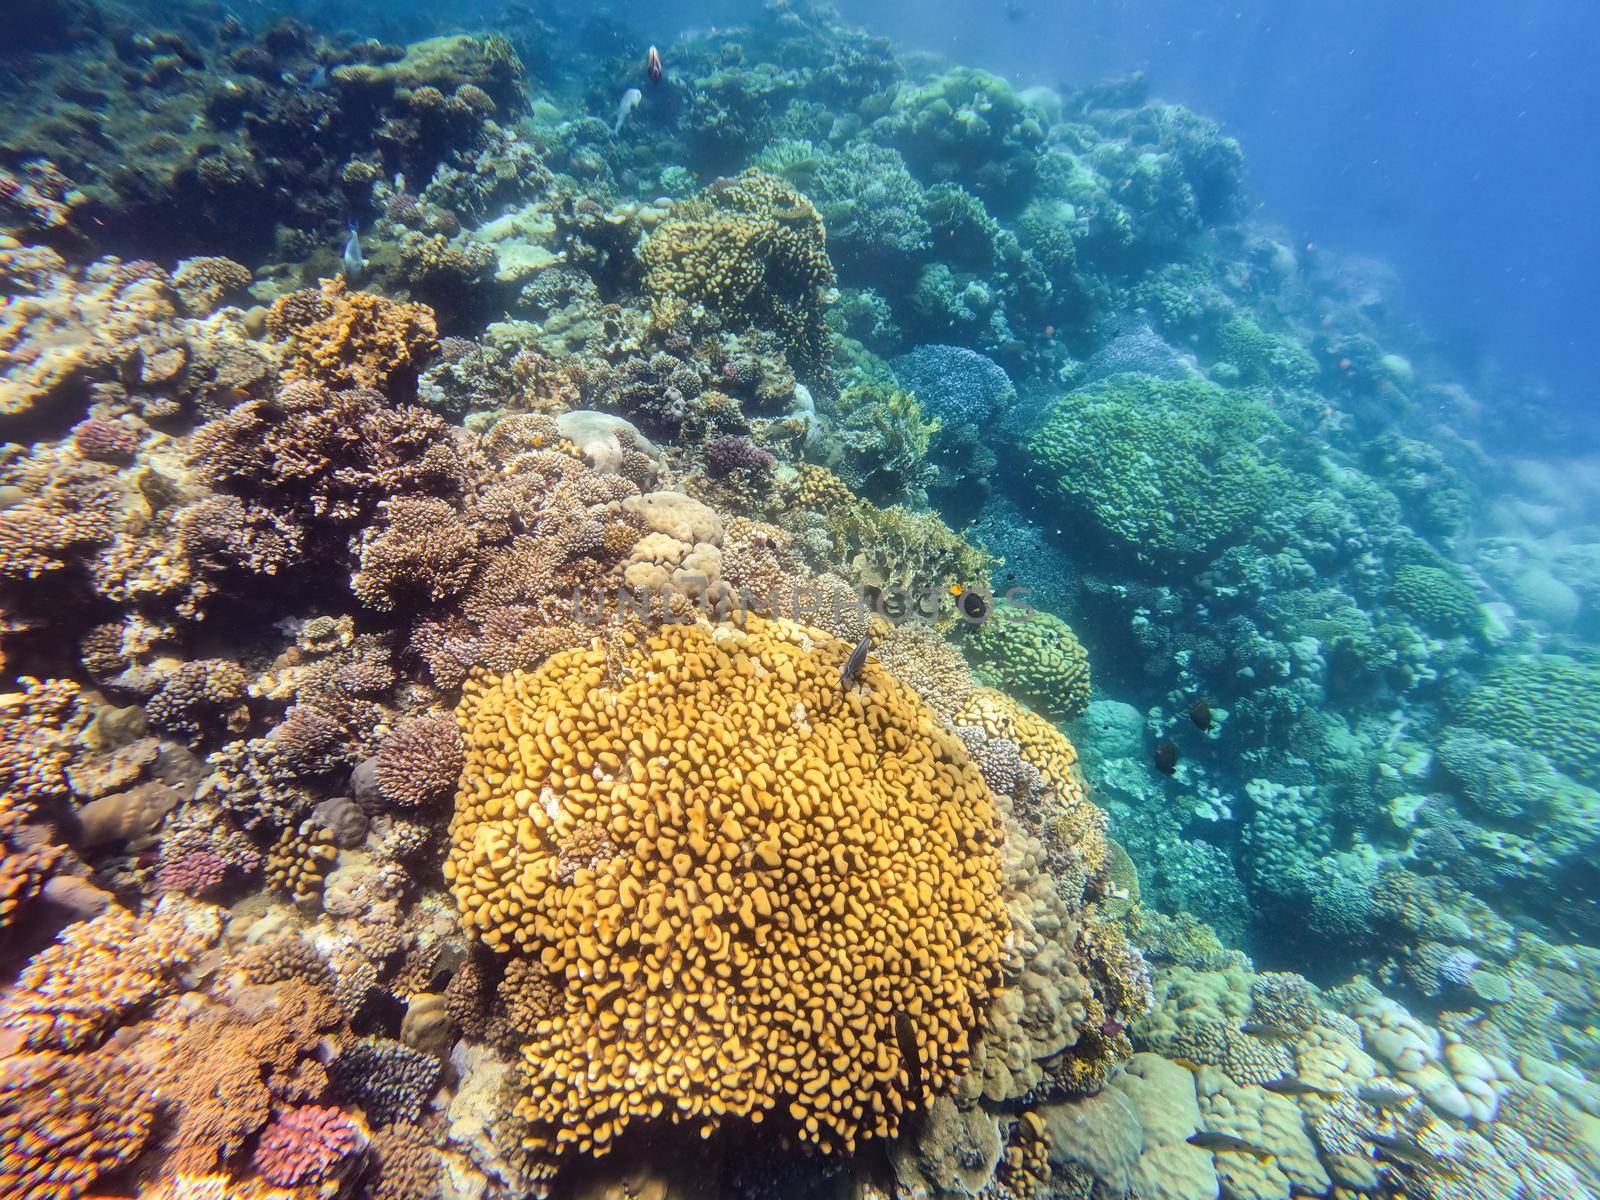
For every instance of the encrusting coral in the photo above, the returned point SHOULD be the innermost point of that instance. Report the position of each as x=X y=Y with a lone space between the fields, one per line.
x=763 y=933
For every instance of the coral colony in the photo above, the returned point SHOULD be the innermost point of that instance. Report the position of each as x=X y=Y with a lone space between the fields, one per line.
x=351 y=850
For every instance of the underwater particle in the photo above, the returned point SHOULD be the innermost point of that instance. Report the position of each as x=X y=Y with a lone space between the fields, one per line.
x=1200 y=714
x=724 y=765
x=1166 y=757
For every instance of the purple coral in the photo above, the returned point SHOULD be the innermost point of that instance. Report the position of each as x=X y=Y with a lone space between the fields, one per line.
x=729 y=454
x=307 y=1144
x=420 y=761
x=104 y=441
x=193 y=874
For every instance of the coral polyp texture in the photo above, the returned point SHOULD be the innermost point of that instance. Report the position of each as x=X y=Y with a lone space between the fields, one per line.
x=772 y=618
x=759 y=893
x=752 y=250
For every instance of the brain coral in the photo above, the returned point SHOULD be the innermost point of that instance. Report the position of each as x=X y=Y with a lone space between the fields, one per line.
x=1033 y=655
x=759 y=892
x=750 y=249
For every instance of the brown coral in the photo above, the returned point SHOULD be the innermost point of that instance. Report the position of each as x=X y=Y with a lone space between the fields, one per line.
x=73 y=992
x=348 y=339
x=423 y=553
x=419 y=761
x=55 y=1138
x=769 y=936
x=752 y=250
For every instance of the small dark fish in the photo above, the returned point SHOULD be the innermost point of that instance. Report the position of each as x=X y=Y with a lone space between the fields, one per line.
x=652 y=65
x=973 y=606
x=1227 y=1143
x=1290 y=1086
x=1405 y=1151
x=1166 y=757
x=1270 y=1033
x=905 y=1036
x=857 y=660
x=1200 y=714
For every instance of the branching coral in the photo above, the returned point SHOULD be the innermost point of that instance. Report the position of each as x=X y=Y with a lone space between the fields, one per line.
x=764 y=935
x=751 y=250
x=346 y=339
x=55 y=1138
x=76 y=990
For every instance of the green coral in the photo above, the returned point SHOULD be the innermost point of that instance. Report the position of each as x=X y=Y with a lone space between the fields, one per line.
x=897 y=547
x=1505 y=781
x=1167 y=470
x=881 y=438
x=1035 y=657
x=970 y=127
x=1439 y=598
x=1545 y=702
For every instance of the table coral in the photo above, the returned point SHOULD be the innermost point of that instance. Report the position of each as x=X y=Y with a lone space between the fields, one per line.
x=751 y=249
x=762 y=935
x=347 y=339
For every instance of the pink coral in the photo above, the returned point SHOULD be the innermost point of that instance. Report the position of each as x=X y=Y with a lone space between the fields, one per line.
x=104 y=441
x=308 y=1144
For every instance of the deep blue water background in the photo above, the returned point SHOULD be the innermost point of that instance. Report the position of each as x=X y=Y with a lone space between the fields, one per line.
x=1454 y=139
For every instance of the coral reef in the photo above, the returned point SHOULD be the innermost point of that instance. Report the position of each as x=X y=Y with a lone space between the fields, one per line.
x=737 y=804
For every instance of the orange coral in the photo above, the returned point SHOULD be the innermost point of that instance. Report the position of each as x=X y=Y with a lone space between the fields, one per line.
x=758 y=892
x=350 y=339
x=55 y=1138
x=71 y=993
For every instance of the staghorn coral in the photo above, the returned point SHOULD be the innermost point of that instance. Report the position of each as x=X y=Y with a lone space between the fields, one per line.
x=751 y=250
x=423 y=553
x=72 y=993
x=55 y=1140
x=344 y=339
x=705 y=792
x=196 y=697
x=317 y=455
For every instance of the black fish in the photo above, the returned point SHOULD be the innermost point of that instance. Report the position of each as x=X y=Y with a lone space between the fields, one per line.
x=1166 y=757
x=1200 y=714
x=973 y=606
x=906 y=1037
x=1289 y=1085
x=857 y=660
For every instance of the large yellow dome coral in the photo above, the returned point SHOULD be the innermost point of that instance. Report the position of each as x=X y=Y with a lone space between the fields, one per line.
x=754 y=889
